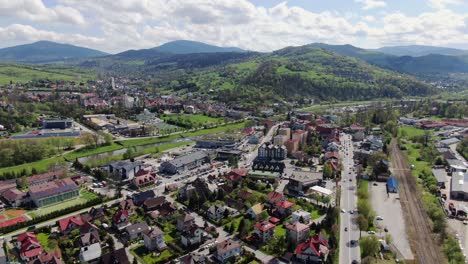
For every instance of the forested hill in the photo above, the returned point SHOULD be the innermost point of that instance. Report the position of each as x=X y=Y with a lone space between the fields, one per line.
x=298 y=72
x=293 y=73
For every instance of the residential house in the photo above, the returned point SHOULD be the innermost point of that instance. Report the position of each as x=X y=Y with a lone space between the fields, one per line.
x=297 y=232
x=198 y=186
x=255 y=211
x=216 y=212
x=121 y=219
x=264 y=231
x=154 y=239
x=284 y=208
x=53 y=192
x=141 y=197
x=89 y=238
x=127 y=205
x=136 y=231
x=227 y=249
x=314 y=250
x=28 y=246
x=184 y=222
x=236 y=175
x=291 y=145
x=91 y=253
x=301 y=216
x=274 y=197
x=192 y=236
x=96 y=214
x=15 y=197
x=69 y=223
x=117 y=256
x=154 y=203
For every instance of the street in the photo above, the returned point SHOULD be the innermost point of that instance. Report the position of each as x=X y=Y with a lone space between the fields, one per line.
x=348 y=202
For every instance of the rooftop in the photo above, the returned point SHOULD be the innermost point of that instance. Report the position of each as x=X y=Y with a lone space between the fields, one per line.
x=52 y=188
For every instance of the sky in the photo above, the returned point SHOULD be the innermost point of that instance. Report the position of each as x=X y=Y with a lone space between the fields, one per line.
x=260 y=25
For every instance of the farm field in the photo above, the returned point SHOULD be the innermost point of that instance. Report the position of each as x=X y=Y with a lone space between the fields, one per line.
x=22 y=73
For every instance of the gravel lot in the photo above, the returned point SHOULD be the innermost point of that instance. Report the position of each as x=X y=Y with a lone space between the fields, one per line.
x=390 y=209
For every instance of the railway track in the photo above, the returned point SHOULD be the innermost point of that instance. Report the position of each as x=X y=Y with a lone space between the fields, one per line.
x=422 y=241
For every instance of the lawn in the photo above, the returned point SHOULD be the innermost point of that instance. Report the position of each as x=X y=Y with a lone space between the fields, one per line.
x=280 y=230
x=40 y=165
x=146 y=257
x=44 y=241
x=202 y=119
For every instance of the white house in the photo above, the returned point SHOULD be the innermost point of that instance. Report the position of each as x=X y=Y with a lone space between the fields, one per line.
x=227 y=249
x=91 y=252
x=154 y=239
x=301 y=216
x=193 y=236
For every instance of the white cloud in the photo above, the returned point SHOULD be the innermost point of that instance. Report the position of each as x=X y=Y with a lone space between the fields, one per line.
x=371 y=4
x=119 y=25
x=35 y=10
x=440 y=4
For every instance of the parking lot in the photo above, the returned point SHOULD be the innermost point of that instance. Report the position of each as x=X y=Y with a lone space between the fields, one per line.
x=390 y=209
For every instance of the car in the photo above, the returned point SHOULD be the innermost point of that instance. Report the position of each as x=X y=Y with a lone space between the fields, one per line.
x=371 y=232
x=354 y=262
x=465 y=222
x=375 y=184
x=345 y=229
x=353 y=242
x=379 y=217
x=386 y=229
x=351 y=211
x=350 y=179
x=343 y=210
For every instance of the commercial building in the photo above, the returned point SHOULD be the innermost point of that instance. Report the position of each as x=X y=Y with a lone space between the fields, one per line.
x=301 y=181
x=53 y=192
x=57 y=123
x=214 y=143
x=459 y=186
x=270 y=152
x=441 y=176
x=185 y=162
x=124 y=169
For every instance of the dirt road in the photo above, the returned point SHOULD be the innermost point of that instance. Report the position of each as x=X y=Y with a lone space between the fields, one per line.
x=422 y=241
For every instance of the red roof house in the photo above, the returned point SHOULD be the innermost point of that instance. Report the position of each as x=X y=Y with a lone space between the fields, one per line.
x=69 y=223
x=28 y=246
x=313 y=250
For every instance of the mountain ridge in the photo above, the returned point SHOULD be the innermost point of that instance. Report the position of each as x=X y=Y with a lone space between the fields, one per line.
x=45 y=52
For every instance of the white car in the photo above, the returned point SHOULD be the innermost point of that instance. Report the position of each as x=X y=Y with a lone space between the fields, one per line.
x=371 y=232
x=343 y=210
x=379 y=217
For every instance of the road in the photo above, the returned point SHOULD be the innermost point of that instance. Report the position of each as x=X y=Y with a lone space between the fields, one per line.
x=422 y=242
x=348 y=201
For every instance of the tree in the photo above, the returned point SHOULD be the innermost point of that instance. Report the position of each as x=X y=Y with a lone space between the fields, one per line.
x=244 y=227
x=370 y=246
x=362 y=223
x=327 y=171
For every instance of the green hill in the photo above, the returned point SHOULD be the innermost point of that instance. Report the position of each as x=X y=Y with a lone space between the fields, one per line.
x=45 y=52
x=420 y=50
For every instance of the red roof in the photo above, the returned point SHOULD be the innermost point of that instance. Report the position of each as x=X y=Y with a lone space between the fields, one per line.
x=313 y=243
x=275 y=197
x=32 y=253
x=74 y=219
x=285 y=204
x=264 y=226
x=248 y=131
x=119 y=214
x=241 y=172
x=274 y=220
x=25 y=235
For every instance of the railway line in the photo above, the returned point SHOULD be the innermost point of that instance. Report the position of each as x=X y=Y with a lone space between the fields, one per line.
x=422 y=242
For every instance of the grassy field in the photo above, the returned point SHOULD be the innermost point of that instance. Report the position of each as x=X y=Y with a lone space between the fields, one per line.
x=41 y=165
x=25 y=73
x=84 y=197
x=198 y=118
x=325 y=105
x=93 y=151
x=146 y=141
x=44 y=240
x=409 y=131
x=280 y=230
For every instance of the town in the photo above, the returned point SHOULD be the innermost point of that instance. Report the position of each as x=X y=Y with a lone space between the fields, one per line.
x=189 y=182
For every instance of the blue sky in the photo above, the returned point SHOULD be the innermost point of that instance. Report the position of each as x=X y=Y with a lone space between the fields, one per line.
x=263 y=25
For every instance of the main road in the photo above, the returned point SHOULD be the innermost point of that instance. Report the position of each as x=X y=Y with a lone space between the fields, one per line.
x=348 y=203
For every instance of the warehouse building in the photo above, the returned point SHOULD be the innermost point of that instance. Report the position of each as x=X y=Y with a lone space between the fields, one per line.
x=185 y=162
x=459 y=185
x=53 y=192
